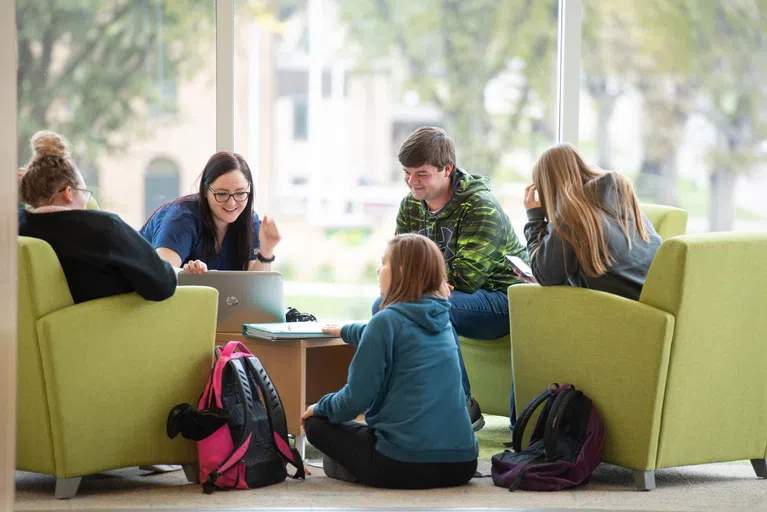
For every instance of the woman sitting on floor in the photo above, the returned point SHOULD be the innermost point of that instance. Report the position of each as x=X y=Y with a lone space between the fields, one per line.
x=406 y=378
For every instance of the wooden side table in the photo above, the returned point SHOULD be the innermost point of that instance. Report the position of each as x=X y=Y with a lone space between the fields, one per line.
x=303 y=370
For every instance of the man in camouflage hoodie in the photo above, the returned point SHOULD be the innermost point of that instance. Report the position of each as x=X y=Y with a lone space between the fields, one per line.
x=457 y=211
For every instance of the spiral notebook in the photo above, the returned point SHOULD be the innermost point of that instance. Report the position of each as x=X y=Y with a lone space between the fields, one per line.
x=285 y=330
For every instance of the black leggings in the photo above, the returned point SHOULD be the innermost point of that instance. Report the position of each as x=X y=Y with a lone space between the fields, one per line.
x=353 y=446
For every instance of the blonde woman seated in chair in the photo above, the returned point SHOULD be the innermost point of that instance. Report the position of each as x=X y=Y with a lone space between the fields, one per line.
x=100 y=254
x=585 y=227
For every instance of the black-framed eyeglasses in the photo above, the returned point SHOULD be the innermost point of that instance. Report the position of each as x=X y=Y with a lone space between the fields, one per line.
x=222 y=197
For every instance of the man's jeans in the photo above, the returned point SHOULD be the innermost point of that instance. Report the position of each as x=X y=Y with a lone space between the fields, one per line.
x=481 y=315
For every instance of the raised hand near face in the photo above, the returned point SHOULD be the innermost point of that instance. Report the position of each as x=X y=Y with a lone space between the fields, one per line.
x=530 y=200
x=268 y=235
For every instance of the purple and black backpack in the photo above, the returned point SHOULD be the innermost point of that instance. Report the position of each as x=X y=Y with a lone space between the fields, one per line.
x=564 y=449
x=242 y=440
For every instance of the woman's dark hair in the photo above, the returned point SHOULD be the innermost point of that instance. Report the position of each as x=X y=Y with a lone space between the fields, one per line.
x=242 y=229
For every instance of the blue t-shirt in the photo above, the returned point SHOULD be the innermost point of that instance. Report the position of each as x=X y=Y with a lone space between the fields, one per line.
x=178 y=227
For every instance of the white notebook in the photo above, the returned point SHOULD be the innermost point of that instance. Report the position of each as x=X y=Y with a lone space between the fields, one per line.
x=285 y=330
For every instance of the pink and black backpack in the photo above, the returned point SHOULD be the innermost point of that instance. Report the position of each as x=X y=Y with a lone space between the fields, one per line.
x=242 y=440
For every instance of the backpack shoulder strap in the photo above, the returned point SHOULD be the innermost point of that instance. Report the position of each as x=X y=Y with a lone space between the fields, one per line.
x=242 y=387
x=554 y=421
x=276 y=415
x=527 y=413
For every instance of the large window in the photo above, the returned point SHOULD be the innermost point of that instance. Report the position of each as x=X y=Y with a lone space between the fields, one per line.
x=673 y=94
x=324 y=92
x=335 y=86
x=161 y=184
x=123 y=81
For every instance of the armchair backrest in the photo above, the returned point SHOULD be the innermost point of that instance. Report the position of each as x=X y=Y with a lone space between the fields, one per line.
x=43 y=286
x=715 y=396
x=42 y=289
x=667 y=220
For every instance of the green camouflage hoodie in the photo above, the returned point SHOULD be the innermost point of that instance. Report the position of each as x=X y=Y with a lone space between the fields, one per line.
x=472 y=231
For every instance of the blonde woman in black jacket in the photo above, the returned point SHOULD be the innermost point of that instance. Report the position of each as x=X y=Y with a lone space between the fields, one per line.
x=101 y=255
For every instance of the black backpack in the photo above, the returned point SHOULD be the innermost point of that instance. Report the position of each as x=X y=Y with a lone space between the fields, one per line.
x=242 y=441
x=564 y=449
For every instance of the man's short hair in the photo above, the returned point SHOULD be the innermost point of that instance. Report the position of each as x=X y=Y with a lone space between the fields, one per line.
x=427 y=145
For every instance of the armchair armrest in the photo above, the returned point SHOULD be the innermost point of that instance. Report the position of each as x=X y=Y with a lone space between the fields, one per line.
x=614 y=349
x=114 y=368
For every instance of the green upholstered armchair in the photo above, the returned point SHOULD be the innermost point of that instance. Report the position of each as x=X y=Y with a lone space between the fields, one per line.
x=676 y=376
x=96 y=380
x=488 y=362
x=667 y=220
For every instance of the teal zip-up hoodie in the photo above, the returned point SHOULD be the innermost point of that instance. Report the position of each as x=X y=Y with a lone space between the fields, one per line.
x=406 y=377
x=472 y=231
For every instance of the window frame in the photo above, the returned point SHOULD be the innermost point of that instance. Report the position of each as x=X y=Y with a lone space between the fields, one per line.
x=570 y=32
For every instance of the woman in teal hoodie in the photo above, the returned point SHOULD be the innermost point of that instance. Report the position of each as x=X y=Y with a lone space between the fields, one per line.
x=406 y=378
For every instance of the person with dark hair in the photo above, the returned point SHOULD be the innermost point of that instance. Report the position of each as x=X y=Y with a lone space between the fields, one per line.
x=100 y=254
x=405 y=377
x=459 y=213
x=217 y=228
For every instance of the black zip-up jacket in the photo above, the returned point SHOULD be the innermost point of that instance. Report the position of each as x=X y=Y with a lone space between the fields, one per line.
x=555 y=262
x=101 y=255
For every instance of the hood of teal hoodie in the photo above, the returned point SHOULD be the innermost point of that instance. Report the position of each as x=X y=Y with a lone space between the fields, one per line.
x=430 y=313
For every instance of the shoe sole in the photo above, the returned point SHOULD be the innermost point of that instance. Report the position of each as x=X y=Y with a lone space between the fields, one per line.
x=479 y=424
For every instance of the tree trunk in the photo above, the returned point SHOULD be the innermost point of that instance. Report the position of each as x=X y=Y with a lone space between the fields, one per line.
x=667 y=107
x=648 y=181
x=722 y=200
x=667 y=194
x=605 y=108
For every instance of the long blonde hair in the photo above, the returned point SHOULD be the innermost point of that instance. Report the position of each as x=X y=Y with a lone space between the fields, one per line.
x=575 y=209
x=417 y=268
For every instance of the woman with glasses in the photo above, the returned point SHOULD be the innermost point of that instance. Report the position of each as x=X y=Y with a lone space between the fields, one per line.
x=100 y=254
x=216 y=228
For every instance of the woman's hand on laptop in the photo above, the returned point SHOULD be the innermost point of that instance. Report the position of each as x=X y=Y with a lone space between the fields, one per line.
x=333 y=330
x=195 y=267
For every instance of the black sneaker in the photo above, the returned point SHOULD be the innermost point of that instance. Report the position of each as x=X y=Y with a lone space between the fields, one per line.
x=475 y=414
x=335 y=470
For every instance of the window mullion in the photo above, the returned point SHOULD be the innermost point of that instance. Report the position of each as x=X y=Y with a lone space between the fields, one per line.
x=569 y=69
x=224 y=75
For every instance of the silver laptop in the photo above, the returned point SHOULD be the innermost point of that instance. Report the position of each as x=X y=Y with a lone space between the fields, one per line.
x=243 y=297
